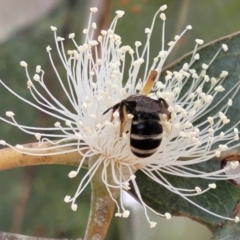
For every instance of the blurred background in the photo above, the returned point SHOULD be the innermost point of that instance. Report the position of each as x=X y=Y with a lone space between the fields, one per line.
x=31 y=199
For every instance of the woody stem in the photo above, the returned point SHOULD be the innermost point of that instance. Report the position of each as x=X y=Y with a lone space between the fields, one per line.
x=10 y=158
x=102 y=205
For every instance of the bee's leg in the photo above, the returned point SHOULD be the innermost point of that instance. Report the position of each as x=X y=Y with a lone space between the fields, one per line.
x=114 y=108
x=165 y=105
x=122 y=117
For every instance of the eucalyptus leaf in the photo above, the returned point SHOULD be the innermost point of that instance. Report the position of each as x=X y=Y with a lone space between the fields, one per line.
x=224 y=200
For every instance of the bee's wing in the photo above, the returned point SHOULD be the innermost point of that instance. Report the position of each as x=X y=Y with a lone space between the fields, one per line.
x=148 y=105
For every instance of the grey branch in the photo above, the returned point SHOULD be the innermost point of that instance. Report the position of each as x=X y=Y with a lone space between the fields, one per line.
x=14 y=236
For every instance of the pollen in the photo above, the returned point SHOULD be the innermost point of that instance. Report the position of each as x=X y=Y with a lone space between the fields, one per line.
x=23 y=64
x=153 y=224
x=94 y=9
x=163 y=8
x=130 y=116
x=225 y=47
x=74 y=207
x=38 y=69
x=10 y=114
x=38 y=136
x=67 y=199
x=36 y=77
x=222 y=134
x=234 y=164
x=199 y=41
x=68 y=123
x=120 y=13
x=163 y=16
x=126 y=214
x=219 y=89
x=217 y=153
x=198 y=189
x=48 y=48
x=224 y=74
x=210 y=120
x=72 y=174
x=204 y=66
x=57 y=124
x=212 y=185
x=53 y=28
x=71 y=35
x=147 y=31
x=18 y=146
x=132 y=177
x=118 y=214
x=2 y=142
x=168 y=216
x=236 y=138
x=223 y=147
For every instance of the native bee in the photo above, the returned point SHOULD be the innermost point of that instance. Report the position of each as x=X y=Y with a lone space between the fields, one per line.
x=146 y=124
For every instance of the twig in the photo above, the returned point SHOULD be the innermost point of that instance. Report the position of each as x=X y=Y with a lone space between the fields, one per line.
x=102 y=205
x=10 y=158
x=14 y=236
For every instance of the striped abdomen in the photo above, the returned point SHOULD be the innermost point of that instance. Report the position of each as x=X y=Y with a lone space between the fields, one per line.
x=146 y=134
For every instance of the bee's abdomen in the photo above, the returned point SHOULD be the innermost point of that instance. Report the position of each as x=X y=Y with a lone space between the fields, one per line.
x=146 y=134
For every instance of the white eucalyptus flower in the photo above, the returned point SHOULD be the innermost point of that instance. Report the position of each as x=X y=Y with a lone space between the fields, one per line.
x=94 y=83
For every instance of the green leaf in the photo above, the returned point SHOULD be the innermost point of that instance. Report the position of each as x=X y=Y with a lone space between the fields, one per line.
x=225 y=198
x=225 y=61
